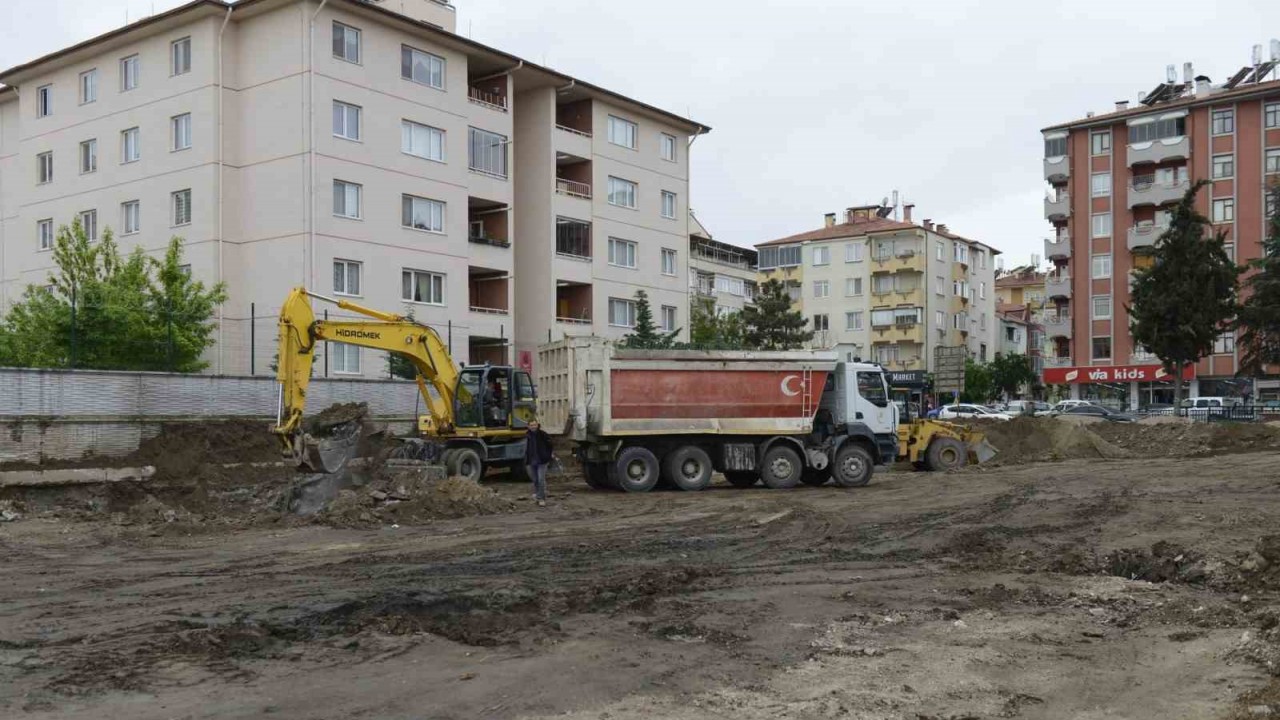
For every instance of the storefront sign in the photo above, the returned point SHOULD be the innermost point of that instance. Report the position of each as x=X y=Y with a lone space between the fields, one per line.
x=906 y=379
x=1112 y=374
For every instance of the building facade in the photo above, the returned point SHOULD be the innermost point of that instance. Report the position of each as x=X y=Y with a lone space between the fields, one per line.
x=889 y=291
x=1021 y=286
x=1112 y=179
x=364 y=151
x=721 y=276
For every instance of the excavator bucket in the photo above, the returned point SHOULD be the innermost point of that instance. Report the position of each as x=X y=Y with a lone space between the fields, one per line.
x=330 y=453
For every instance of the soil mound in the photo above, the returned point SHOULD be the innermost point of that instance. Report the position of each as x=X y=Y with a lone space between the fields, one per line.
x=1025 y=439
x=180 y=449
x=406 y=495
x=1183 y=439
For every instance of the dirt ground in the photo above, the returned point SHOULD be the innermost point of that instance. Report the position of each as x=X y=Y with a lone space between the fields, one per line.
x=1085 y=588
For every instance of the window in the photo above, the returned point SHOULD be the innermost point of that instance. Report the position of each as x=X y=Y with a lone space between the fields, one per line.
x=422 y=67
x=421 y=213
x=346 y=199
x=422 y=287
x=668 y=262
x=1101 y=307
x=44 y=231
x=422 y=140
x=881 y=284
x=1157 y=130
x=1055 y=146
x=853 y=252
x=668 y=145
x=622 y=193
x=821 y=322
x=1101 y=267
x=940 y=318
x=1273 y=161
x=44 y=101
x=1224 y=166
x=1100 y=142
x=1224 y=121
x=88 y=156
x=668 y=205
x=1224 y=210
x=981 y=255
x=487 y=152
x=779 y=257
x=89 y=86
x=1102 y=348
x=939 y=285
x=128 y=73
x=885 y=355
x=573 y=238
x=940 y=250
x=622 y=253
x=181 y=201
x=1101 y=225
x=346 y=43
x=961 y=252
x=180 y=56
x=852 y=287
x=731 y=285
x=346 y=120
x=668 y=318
x=346 y=277
x=1272 y=115
x=344 y=358
x=821 y=288
x=1225 y=344
x=129 y=149
x=853 y=320
x=181 y=126
x=130 y=217
x=622 y=313
x=1271 y=205
x=821 y=255
x=982 y=291
x=622 y=132
x=89 y=221
x=44 y=167
x=1100 y=184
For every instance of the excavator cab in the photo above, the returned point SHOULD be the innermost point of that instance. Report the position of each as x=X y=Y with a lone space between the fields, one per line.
x=494 y=397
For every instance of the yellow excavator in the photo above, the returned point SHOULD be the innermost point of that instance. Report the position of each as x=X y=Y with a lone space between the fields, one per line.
x=476 y=415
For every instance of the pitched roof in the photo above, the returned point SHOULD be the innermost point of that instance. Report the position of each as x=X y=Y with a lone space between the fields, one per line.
x=1189 y=101
x=1020 y=280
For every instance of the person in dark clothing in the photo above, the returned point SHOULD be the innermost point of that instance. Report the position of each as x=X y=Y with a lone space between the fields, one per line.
x=537 y=456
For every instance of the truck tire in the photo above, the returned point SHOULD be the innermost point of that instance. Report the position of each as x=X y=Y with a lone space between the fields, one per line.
x=596 y=475
x=814 y=477
x=689 y=468
x=635 y=470
x=853 y=466
x=945 y=454
x=742 y=478
x=465 y=462
x=781 y=468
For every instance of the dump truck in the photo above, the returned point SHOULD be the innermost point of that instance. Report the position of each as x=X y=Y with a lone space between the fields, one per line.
x=638 y=417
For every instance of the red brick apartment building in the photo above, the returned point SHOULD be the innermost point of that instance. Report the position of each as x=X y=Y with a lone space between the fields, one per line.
x=1113 y=178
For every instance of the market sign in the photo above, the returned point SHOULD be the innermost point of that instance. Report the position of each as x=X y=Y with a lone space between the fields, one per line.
x=906 y=378
x=1112 y=374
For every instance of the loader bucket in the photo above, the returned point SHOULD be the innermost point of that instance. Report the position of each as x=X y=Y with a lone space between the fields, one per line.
x=981 y=451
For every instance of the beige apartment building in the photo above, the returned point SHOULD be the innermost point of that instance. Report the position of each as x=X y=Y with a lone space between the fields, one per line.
x=363 y=150
x=722 y=276
x=889 y=291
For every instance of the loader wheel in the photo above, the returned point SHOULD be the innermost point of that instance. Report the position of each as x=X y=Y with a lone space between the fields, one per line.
x=853 y=466
x=815 y=478
x=465 y=462
x=635 y=470
x=781 y=468
x=742 y=478
x=596 y=475
x=689 y=468
x=945 y=454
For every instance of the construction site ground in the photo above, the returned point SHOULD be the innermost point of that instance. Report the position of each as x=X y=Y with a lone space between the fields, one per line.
x=1118 y=576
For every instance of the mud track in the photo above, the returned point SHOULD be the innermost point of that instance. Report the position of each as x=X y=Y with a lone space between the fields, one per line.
x=1009 y=592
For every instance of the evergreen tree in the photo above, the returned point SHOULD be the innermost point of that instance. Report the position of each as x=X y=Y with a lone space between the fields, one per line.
x=1259 y=315
x=1011 y=372
x=708 y=330
x=771 y=323
x=646 y=334
x=1182 y=301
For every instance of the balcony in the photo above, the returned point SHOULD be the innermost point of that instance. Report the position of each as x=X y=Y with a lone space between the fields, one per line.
x=1057 y=324
x=1059 y=248
x=1158 y=151
x=488 y=290
x=573 y=188
x=488 y=223
x=1057 y=169
x=1057 y=285
x=1145 y=190
x=901 y=261
x=573 y=303
x=1143 y=358
x=1051 y=361
x=1057 y=206
x=573 y=239
x=492 y=100
x=1143 y=237
x=704 y=286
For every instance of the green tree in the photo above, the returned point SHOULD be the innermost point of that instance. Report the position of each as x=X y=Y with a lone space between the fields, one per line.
x=771 y=323
x=398 y=366
x=646 y=334
x=978 y=385
x=710 y=330
x=1011 y=372
x=1181 y=303
x=1258 y=318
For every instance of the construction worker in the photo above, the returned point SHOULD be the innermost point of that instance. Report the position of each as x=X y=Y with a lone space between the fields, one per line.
x=537 y=456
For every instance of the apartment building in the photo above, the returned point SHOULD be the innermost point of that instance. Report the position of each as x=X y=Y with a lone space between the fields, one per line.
x=1021 y=286
x=721 y=275
x=888 y=290
x=1112 y=179
x=363 y=150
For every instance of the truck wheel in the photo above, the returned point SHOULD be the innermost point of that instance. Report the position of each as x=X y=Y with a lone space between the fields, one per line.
x=815 y=477
x=465 y=462
x=945 y=454
x=853 y=466
x=689 y=467
x=595 y=475
x=781 y=468
x=635 y=470
x=742 y=478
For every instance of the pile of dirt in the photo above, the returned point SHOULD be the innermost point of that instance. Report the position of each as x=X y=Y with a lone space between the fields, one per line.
x=405 y=494
x=323 y=423
x=180 y=449
x=1027 y=439
x=1183 y=439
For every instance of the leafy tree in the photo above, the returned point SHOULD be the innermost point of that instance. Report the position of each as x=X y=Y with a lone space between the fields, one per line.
x=1181 y=303
x=1259 y=315
x=771 y=323
x=646 y=334
x=978 y=385
x=709 y=330
x=1011 y=372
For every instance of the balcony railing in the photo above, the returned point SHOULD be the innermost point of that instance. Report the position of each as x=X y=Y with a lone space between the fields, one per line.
x=573 y=320
x=1057 y=324
x=1057 y=207
x=1056 y=361
x=489 y=100
x=573 y=131
x=1057 y=169
x=1059 y=248
x=1155 y=151
x=1142 y=237
x=573 y=188
x=1057 y=285
x=1145 y=190
x=486 y=240
x=489 y=310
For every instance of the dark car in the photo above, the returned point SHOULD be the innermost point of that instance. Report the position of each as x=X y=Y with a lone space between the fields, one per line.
x=1099 y=412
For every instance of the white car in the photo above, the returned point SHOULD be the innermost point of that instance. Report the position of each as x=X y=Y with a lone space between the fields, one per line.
x=971 y=412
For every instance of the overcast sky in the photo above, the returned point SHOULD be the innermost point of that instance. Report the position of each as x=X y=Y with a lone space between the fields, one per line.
x=817 y=106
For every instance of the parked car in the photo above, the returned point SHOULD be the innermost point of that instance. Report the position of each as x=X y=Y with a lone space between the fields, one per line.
x=1065 y=405
x=1099 y=412
x=971 y=412
x=1157 y=409
x=1034 y=408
